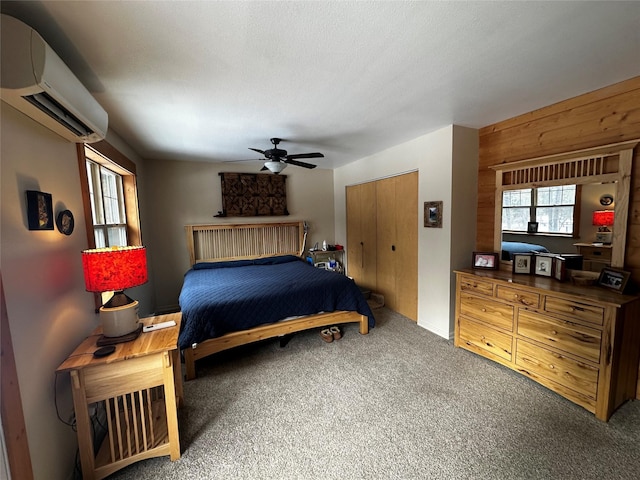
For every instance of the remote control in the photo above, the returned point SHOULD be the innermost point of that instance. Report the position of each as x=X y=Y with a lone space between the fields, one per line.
x=158 y=326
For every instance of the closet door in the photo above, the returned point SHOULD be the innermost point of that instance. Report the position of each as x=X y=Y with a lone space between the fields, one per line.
x=361 y=234
x=397 y=252
x=406 y=260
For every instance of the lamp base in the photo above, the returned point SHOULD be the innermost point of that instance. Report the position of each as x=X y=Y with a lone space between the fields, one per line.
x=120 y=320
x=129 y=337
x=603 y=237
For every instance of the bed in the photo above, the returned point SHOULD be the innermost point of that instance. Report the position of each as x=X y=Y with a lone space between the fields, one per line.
x=248 y=283
x=509 y=248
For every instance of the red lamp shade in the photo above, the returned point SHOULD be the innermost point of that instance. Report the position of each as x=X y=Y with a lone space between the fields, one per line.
x=603 y=218
x=116 y=268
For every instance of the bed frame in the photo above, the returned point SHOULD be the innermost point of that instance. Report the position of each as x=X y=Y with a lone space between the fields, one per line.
x=223 y=242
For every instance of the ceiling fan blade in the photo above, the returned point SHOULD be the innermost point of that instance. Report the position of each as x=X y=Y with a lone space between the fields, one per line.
x=306 y=155
x=299 y=164
x=256 y=150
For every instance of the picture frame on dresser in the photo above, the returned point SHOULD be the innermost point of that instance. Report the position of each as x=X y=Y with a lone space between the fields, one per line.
x=613 y=279
x=522 y=263
x=543 y=265
x=560 y=268
x=485 y=260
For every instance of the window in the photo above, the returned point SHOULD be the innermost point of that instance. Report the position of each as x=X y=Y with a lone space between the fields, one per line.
x=107 y=206
x=110 y=198
x=555 y=209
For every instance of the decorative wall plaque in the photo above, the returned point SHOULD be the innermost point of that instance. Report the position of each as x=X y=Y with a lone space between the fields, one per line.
x=253 y=195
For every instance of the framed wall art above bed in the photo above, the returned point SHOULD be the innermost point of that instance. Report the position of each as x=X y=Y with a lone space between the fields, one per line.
x=253 y=195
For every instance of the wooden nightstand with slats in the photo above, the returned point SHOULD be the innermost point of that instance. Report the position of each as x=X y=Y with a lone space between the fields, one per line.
x=139 y=388
x=595 y=257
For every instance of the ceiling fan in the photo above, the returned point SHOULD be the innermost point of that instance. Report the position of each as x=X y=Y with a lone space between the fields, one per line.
x=278 y=159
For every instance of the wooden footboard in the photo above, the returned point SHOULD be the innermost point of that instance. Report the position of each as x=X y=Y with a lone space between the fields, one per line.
x=235 y=339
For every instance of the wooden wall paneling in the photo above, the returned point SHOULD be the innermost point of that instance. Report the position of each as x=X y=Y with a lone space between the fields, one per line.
x=14 y=429
x=607 y=115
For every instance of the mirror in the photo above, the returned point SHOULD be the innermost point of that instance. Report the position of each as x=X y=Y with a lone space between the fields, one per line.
x=602 y=173
x=587 y=201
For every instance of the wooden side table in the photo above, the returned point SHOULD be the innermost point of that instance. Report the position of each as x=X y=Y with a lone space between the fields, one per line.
x=596 y=257
x=139 y=386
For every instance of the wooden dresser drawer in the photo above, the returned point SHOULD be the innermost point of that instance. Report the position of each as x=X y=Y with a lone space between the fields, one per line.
x=569 y=373
x=470 y=284
x=579 y=340
x=581 y=311
x=489 y=311
x=521 y=297
x=486 y=338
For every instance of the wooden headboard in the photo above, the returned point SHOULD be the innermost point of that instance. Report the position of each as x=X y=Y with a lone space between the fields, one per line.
x=220 y=242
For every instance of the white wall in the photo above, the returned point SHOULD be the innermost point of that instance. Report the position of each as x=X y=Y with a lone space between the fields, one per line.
x=49 y=310
x=180 y=193
x=438 y=157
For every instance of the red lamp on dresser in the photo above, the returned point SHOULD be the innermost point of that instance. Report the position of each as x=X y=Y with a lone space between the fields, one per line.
x=603 y=219
x=116 y=269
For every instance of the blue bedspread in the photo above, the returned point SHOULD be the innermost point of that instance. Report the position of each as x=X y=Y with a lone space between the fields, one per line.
x=509 y=248
x=218 y=298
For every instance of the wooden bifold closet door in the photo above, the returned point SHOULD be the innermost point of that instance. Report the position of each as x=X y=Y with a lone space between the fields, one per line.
x=386 y=210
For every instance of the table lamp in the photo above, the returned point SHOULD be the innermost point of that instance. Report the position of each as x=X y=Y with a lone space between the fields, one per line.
x=115 y=269
x=603 y=219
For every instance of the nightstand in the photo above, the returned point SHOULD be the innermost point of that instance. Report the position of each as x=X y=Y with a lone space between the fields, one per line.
x=322 y=257
x=596 y=257
x=138 y=387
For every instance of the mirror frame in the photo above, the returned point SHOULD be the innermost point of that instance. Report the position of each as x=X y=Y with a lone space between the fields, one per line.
x=608 y=163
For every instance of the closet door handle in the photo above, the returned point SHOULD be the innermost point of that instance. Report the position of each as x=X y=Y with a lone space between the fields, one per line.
x=393 y=248
x=362 y=255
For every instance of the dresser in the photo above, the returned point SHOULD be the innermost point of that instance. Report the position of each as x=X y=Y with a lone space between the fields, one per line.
x=581 y=342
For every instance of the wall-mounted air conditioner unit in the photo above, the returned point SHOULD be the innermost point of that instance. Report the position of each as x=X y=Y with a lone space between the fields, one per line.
x=37 y=82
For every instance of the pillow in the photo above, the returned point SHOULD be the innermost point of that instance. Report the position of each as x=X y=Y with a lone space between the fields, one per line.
x=276 y=260
x=229 y=264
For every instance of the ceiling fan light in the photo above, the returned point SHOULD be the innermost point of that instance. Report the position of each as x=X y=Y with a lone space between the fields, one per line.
x=275 y=167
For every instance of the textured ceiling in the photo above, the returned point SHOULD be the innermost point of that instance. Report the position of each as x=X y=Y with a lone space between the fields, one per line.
x=206 y=80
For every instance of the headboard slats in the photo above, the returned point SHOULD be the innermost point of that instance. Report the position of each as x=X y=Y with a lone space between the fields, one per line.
x=221 y=242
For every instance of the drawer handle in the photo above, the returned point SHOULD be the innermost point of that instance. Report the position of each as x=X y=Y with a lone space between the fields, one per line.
x=483 y=309
x=579 y=309
x=551 y=366
x=553 y=332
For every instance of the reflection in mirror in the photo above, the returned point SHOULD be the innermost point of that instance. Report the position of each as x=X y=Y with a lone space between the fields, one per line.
x=564 y=216
x=542 y=190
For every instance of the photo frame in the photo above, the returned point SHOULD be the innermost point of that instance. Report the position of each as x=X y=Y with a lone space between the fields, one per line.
x=522 y=263
x=613 y=279
x=485 y=260
x=532 y=227
x=560 y=268
x=543 y=265
x=39 y=210
x=433 y=214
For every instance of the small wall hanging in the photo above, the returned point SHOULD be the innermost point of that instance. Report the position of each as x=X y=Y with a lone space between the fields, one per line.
x=65 y=222
x=253 y=195
x=433 y=214
x=39 y=210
